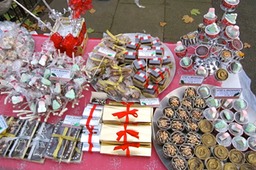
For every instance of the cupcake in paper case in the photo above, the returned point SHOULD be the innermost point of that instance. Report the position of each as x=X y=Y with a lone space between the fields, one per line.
x=202 y=152
x=227 y=115
x=235 y=129
x=190 y=92
x=162 y=136
x=221 y=74
x=240 y=143
x=210 y=17
x=212 y=30
x=235 y=67
x=236 y=44
x=150 y=91
x=191 y=126
x=229 y=19
x=220 y=125
x=163 y=123
x=225 y=55
x=169 y=112
x=202 y=71
x=250 y=157
x=190 y=38
x=213 y=164
x=182 y=114
x=174 y=102
x=204 y=91
x=170 y=150
x=187 y=151
x=252 y=143
x=177 y=125
x=211 y=113
x=186 y=63
x=193 y=138
x=208 y=140
x=241 y=117
x=179 y=162
x=247 y=166
x=227 y=103
x=180 y=50
x=250 y=129
x=220 y=152
x=196 y=114
x=240 y=104
x=187 y=104
x=178 y=138
x=232 y=32
x=195 y=164
x=224 y=139
x=202 y=51
x=230 y=166
x=212 y=102
x=205 y=126
x=236 y=157
x=199 y=103
x=229 y=4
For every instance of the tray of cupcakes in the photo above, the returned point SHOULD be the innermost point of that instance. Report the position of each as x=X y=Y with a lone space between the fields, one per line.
x=130 y=66
x=195 y=130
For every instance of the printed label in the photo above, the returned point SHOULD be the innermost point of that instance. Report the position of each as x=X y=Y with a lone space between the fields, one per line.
x=60 y=74
x=72 y=121
x=154 y=102
x=146 y=54
x=107 y=52
x=227 y=92
x=191 y=80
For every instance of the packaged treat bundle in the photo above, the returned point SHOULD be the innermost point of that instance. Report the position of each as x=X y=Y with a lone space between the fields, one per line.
x=63 y=144
x=126 y=64
x=91 y=123
x=126 y=130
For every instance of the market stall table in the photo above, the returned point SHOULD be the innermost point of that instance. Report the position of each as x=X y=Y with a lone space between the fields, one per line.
x=100 y=161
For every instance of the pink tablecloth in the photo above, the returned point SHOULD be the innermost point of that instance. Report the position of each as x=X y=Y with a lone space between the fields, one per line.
x=95 y=161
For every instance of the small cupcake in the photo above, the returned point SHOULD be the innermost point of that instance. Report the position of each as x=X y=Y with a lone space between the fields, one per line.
x=182 y=114
x=169 y=150
x=210 y=17
x=174 y=102
x=229 y=166
x=208 y=140
x=225 y=55
x=224 y=139
x=177 y=125
x=235 y=67
x=190 y=92
x=250 y=157
x=191 y=126
x=240 y=143
x=250 y=129
x=211 y=113
x=241 y=117
x=180 y=50
x=202 y=152
x=229 y=19
x=179 y=163
x=162 y=137
x=235 y=129
x=221 y=74
x=205 y=126
x=169 y=112
x=220 y=152
x=187 y=104
x=240 y=104
x=186 y=63
x=199 y=103
x=163 y=123
x=178 y=138
x=213 y=164
x=252 y=143
x=227 y=103
x=212 y=30
x=195 y=164
x=232 y=32
x=196 y=114
x=204 y=91
x=212 y=102
x=236 y=157
x=202 y=71
x=202 y=51
x=186 y=151
x=227 y=115
x=193 y=139
x=220 y=125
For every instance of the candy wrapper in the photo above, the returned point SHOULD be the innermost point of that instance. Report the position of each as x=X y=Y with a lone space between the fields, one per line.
x=93 y=112
x=127 y=149
x=62 y=143
x=132 y=133
x=116 y=114
x=39 y=143
x=91 y=142
x=9 y=135
x=22 y=141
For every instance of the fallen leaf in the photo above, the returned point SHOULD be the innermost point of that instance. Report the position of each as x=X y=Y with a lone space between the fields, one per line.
x=90 y=30
x=195 y=12
x=187 y=19
x=92 y=11
x=247 y=45
x=162 y=24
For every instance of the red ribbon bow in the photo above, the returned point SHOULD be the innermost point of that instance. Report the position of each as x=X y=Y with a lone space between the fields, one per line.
x=123 y=133
x=126 y=113
x=126 y=146
x=90 y=128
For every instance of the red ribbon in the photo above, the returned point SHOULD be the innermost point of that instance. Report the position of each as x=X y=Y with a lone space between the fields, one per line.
x=123 y=133
x=90 y=128
x=79 y=7
x=126 y=146
x=126 y=113
x=159 y=72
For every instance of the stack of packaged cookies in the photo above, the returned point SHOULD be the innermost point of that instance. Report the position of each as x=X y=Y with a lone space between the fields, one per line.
x=126 y=130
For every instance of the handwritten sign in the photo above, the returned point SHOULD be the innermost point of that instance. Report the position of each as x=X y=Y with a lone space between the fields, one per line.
x=227 y=92
x=154 y=102
x=191 y=80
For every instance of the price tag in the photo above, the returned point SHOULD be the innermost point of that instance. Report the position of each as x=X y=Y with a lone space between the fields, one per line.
x=60 y=74
x=227 y=93
x=3 y=124
x=107 y=52
x=72 y=121
x=146 y=54
x=191 y=80
x=154 y=102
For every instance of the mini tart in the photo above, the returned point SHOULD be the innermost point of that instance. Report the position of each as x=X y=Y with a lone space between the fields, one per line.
x=213 y=164
x=162 y=136
x=208 y=140
x=195 y=164
x=163 y=123
x=202 y=152
x=169 y=112
x=205 y=126
x=220 y=152
x=251 y=157
x=174 y=102
x=190 y=92
x=221 y=74
x=170 y=150
x=236 y=157
x=226 y=54
x=229 y=166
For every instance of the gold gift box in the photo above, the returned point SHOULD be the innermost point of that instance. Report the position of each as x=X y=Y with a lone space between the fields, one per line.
x=139 y=150
x=143 y=114
x=134 y=133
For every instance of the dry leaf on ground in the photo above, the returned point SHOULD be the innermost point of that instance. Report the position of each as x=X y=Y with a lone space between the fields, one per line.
x=92 y=11
x=187 y=19
x=247 y=45
x=195 y=12
x=162 y=24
